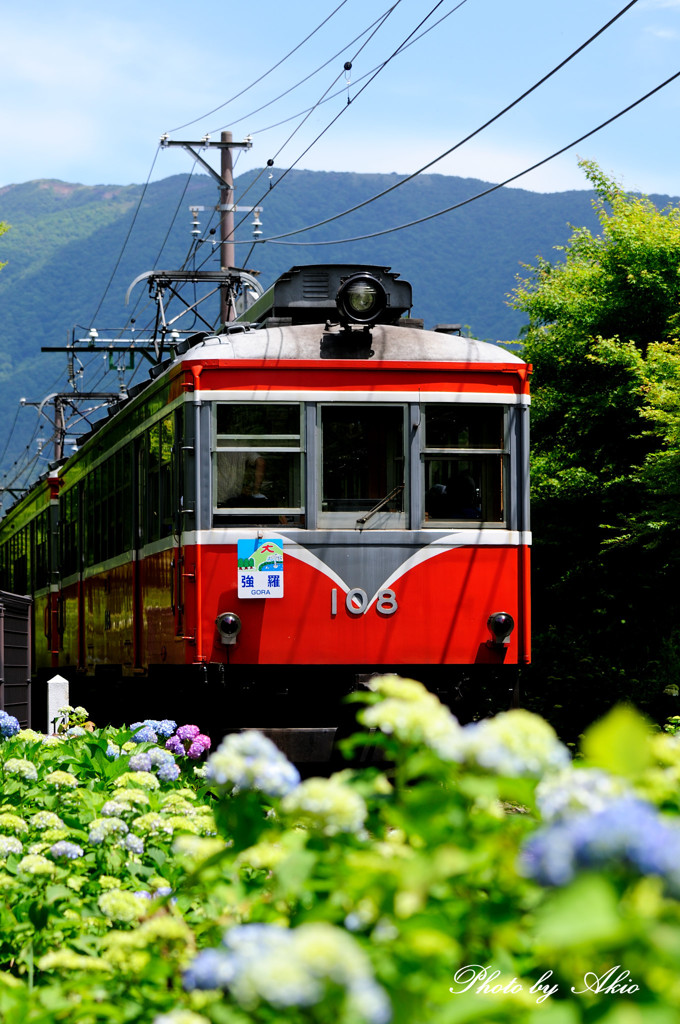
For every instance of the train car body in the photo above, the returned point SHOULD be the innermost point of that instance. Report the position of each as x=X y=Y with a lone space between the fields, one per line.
x=305 y=498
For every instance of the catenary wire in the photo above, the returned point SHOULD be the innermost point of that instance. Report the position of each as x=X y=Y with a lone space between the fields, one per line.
x=307 y=78
x=209 y=113
x=462 y=142
x=344 y=108
x=486 y=192
x=334 y=95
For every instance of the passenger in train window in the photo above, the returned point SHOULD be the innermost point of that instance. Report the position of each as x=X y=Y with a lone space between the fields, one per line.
x=239 y=480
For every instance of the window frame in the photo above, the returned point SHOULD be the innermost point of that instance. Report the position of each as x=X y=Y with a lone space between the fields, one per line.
x=456 y=454
x=381 y=520
x=222 y=512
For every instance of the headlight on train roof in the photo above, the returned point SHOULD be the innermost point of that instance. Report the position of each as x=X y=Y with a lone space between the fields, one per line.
x=361 y=299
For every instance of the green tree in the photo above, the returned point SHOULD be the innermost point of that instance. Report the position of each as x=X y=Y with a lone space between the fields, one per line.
x=602 y=336
x=3 y=227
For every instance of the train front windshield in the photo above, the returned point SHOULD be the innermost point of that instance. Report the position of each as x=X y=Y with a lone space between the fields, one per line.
x=376 y=465
x=362 y=458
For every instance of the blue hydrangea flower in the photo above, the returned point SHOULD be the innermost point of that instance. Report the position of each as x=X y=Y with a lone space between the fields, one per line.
x=210 y=969
x=627 y=832
x=140 y=762
x=249 y=760
x=165 y=727
x=9 y=725
x=145 y=735
x=133 y=843
x=159 y=756
x=71 y=851
x=168 y=772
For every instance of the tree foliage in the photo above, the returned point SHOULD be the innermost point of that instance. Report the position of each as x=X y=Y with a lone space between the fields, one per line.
x=604 y=324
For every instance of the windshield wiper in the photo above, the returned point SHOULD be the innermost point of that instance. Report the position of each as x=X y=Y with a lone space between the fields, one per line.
x=376 y=508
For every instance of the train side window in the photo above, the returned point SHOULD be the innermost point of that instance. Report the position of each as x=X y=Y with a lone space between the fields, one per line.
x=68 y=528
x=363 y=466
x=465 y=464
x=257 y=462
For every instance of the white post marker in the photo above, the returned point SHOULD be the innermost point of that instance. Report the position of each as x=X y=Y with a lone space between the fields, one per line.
x=57 y=697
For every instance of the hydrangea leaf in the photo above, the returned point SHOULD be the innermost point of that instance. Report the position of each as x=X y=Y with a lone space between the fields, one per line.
x=585 y=913
x=621 y=743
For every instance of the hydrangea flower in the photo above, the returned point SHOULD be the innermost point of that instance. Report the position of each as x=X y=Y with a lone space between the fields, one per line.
x=103 y=828
x=121 y=906
x=9 y=845
x=285 y=968
x=413 y=715
x=145 y=735
x=515 y=743
x=133 y=844
x=627 y=832
x=160 y=756
x=113 y=750
x=132 y=798
x=249 y=760
x=152 y=823
x=29 y=736
x=46 y=819
x=189 y=741
x=328 y=805
x=181 y=1017
x=67 y=959
x=12 y=823
x=168 y=772
x=22 y=767
x=140 y=762
x=145 y=780
x=35 y=864
x=162 y=727
x=9 y=725
x=61 y=780
x=75 y=731
x=175 y=803
x=575 y=790
x=70 y=851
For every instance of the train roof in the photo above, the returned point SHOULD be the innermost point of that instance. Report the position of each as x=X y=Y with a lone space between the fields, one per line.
x=380 y=343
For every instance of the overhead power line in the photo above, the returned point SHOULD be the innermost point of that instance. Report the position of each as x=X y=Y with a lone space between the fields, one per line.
x=488 y=191
x=477 y=131
x=263 y=76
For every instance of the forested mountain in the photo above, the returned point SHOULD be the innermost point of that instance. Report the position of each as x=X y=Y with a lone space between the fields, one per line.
x=73 y=250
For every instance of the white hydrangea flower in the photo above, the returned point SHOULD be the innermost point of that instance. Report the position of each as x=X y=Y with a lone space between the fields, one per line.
x=515 y=743
x=122 y=906
x=575 y=790
x=35 y=864
x=326 y=804
x=46 y=819
x=13 y=823
x=61 y=780
x=285 y=968
x=414 y=715
x=22 y=767
x=9 y=845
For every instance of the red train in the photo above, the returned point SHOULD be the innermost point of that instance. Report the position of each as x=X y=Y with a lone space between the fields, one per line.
x=324 y=490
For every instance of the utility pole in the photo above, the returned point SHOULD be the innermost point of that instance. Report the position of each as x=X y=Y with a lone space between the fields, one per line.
x=225 y=180
x=227 y=309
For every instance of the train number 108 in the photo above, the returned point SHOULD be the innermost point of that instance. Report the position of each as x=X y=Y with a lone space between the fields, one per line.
x=356 y=602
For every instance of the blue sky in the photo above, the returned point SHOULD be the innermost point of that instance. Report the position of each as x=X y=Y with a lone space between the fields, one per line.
x=89 y=89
